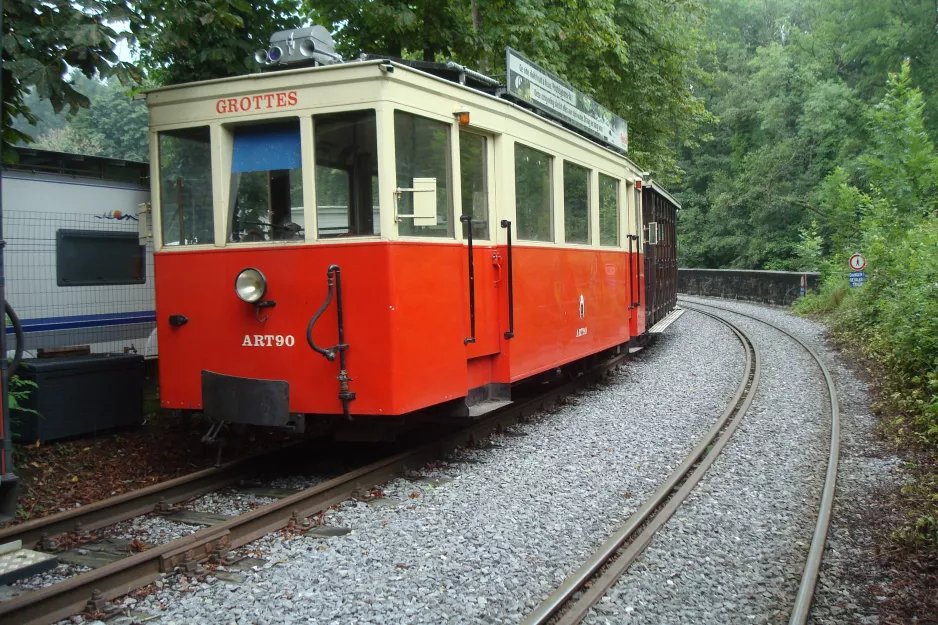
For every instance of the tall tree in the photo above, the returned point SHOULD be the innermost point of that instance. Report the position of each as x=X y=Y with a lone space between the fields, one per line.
x=793 y=80
x=184 y=40
x=41 y=40
x=637 y=57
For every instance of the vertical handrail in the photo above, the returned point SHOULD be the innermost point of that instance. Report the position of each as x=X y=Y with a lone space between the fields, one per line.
x=334 y=285
x=631 y=274
x=345 y=395
x=638 y=270
x=635 y=273
x=466 y=219
x=511 y=287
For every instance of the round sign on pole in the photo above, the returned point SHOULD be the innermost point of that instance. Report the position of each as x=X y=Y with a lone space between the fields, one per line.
x=857 y=262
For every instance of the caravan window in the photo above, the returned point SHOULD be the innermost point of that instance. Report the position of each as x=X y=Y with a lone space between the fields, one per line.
x=186 y=211
x=95 y=258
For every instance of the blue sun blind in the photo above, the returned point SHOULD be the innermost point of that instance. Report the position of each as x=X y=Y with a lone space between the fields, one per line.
x=265 y=148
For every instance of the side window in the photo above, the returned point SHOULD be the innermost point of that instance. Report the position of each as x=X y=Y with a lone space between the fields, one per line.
x=576 y=203
x=473 y=171
x=186 y=210
x=608 y=210
x=266 y=200
x=533 y=200
x=422 y=150
x=346 y=147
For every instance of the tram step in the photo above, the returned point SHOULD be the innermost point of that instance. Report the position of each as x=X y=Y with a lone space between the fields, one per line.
x=487 y=406
x=662 y=325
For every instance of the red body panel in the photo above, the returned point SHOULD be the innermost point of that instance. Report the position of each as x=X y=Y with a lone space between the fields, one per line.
x=406 y=310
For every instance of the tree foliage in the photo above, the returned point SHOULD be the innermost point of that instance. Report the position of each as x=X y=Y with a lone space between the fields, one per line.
x=793 y=81
x=112 y=124
x=42 y=39
x=185 y=40
x=637 y=57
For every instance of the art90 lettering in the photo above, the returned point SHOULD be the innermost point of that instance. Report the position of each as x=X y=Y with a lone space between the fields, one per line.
x=268 y=340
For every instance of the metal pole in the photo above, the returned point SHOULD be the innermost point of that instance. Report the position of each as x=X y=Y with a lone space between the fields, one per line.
x=8 y=480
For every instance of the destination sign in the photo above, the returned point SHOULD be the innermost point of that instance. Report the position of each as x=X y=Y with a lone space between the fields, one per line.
x=545 y=91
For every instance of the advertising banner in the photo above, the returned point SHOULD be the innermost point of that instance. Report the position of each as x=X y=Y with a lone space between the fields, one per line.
x=545 y=91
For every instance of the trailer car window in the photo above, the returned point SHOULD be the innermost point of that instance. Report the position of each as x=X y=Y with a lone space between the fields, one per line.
x=186 y=209
x=422 y=150
x=346 y=174
x=473 y=169
x=608 y=210
x=533 y=199
x=576 y=203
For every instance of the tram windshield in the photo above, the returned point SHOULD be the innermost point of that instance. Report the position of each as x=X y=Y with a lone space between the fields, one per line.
x=186 y=186
x=346 y=174
x=266 y=200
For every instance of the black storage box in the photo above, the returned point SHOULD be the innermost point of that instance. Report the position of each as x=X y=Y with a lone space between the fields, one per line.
x=80 y=395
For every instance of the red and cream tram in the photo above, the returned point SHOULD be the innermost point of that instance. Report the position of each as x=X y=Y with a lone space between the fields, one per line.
x=369 y=239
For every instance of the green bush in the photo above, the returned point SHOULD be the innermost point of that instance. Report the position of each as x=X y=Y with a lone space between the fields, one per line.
x=890 y=213
x=834 y=290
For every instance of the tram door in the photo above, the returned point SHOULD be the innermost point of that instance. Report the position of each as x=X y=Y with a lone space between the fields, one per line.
x=476 y=174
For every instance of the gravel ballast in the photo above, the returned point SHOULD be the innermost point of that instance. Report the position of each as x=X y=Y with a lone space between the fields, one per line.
x=734 y=552
x=500 y=527
x=867 y=475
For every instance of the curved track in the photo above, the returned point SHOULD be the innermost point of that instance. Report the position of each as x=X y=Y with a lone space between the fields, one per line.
x=809 y=576
x=572 y=600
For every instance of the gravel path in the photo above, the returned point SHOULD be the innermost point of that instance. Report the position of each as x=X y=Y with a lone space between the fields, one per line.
x=734 y=551
x=500 y=527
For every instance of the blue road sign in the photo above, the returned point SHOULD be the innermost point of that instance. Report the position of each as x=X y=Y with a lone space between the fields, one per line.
x=857 y=278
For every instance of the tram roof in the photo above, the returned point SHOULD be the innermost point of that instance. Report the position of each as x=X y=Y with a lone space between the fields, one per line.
x=402 y=65
x=659 y=189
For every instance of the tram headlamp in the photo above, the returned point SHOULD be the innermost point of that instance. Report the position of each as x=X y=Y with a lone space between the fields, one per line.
x=250 y=285
x=274 y=54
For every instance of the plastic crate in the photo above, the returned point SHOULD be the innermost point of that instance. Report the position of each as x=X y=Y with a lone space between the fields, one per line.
x=80 y=395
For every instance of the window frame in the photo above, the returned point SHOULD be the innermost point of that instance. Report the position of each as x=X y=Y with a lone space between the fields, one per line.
x=552 y=185
x=618 y=183
x=309 y=173
x=156 y=188
x=390 y=163
x=590 y=197
x=490 y=174
x=226 y=131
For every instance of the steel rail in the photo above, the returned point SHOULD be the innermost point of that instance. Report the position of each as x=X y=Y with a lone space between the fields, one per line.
x=61 y=600
x=136 y=503
x=560 y=606
x=809 y=577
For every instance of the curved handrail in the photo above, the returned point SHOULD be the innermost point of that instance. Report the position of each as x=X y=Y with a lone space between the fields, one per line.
x=328 y=354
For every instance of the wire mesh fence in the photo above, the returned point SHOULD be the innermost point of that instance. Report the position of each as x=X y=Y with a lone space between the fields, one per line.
x=79 y=281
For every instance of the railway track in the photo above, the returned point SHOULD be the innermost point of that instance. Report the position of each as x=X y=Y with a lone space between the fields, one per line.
x=72 y=595
x=571 y=601
x=809 y=577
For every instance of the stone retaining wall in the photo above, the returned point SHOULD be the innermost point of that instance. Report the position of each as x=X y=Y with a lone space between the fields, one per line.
x=769 y=287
